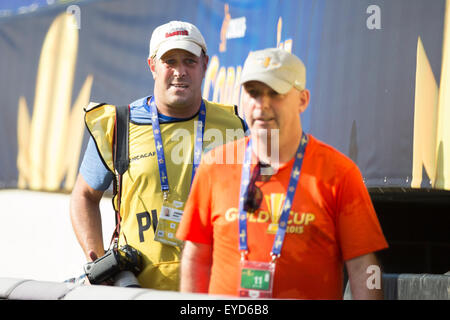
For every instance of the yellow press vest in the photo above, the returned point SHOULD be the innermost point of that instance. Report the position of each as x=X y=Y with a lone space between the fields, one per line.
x=142 y=198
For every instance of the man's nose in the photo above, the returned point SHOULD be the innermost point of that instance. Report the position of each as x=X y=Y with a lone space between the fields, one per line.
x=180 y=70
x=262 y=101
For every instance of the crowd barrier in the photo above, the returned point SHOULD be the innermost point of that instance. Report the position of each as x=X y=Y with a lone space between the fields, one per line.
x=396 y=287
x=24 y=289
x=406 y=286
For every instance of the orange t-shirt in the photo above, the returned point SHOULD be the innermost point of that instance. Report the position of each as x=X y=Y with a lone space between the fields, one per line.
x=332 y=220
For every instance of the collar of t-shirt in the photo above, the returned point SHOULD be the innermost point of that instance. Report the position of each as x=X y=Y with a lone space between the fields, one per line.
x=163 y=118
x=139 y=113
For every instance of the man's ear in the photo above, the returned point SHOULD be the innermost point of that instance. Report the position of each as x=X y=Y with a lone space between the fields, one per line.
x=304 y=97
x=206 y=61
x=151 y=64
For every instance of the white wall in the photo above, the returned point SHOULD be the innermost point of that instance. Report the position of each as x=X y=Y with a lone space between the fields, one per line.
x=36 y=236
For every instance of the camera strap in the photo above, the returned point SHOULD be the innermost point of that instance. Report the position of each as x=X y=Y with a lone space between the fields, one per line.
x=120 y=158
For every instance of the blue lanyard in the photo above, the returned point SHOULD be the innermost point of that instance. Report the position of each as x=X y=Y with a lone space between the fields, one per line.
x=292 y=188
x=198 y=144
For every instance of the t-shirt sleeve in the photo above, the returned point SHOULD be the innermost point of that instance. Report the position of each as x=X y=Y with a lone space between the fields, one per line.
x=93 y=169
x=359 y=230
x=195 y=224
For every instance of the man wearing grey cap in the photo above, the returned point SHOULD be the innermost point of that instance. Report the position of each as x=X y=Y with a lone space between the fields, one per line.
x=289 y=213
x=165 y=135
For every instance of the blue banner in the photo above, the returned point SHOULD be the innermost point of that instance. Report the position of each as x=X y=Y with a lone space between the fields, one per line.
x=375 y=70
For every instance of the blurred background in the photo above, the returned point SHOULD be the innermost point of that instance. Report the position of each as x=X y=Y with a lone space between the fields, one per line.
x=13 y=7
x=378 y=72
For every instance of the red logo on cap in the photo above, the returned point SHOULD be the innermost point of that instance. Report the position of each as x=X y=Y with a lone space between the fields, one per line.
x=177 y=33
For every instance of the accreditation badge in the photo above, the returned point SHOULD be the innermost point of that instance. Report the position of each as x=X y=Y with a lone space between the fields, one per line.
x=256 y=279
x=169 y=220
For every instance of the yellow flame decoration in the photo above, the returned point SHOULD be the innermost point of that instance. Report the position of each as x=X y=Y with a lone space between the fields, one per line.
x=223 y=30
x=224 y=82
x=210 y=76
x=50 y=141
x=432 y=112
x=279 y=27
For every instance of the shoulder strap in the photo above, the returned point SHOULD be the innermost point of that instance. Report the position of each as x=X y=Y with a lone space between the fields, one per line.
x=120 y=159
x=243 y=123
x=121 y=139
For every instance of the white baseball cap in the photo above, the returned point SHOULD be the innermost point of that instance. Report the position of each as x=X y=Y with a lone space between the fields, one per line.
x=176 y=35
x=275 y=67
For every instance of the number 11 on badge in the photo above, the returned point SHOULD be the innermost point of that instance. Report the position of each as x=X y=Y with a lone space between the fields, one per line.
x=256 y=279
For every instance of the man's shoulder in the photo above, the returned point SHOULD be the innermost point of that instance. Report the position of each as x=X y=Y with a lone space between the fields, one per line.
x=237 y=144
x=225 y=110
x=134 y=106
x=224 y=115
x=229 y=153
x=331 y=154
x=139 y=103
x=221 y=106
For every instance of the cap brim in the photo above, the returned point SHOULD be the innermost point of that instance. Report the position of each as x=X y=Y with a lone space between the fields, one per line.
x=276 y=84
x=187 y=45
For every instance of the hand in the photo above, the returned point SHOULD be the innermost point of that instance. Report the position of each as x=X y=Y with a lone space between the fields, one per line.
x=93 y=256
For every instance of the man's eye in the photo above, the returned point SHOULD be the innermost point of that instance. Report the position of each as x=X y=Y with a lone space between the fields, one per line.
x=169 y=61
x=276 y=95
x=190 y=61
x=253 y=93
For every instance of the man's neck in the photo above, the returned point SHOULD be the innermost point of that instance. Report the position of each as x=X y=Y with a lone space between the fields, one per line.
x=276 y=153
x=180 y=112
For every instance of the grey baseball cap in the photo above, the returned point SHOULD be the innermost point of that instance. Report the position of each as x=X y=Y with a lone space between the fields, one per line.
x=275 y=67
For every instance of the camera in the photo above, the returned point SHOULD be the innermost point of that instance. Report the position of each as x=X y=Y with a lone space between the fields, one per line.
x=115 y=261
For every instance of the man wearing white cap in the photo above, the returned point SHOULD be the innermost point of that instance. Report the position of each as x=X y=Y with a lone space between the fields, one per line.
x=164 y=137
x=289 y=213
